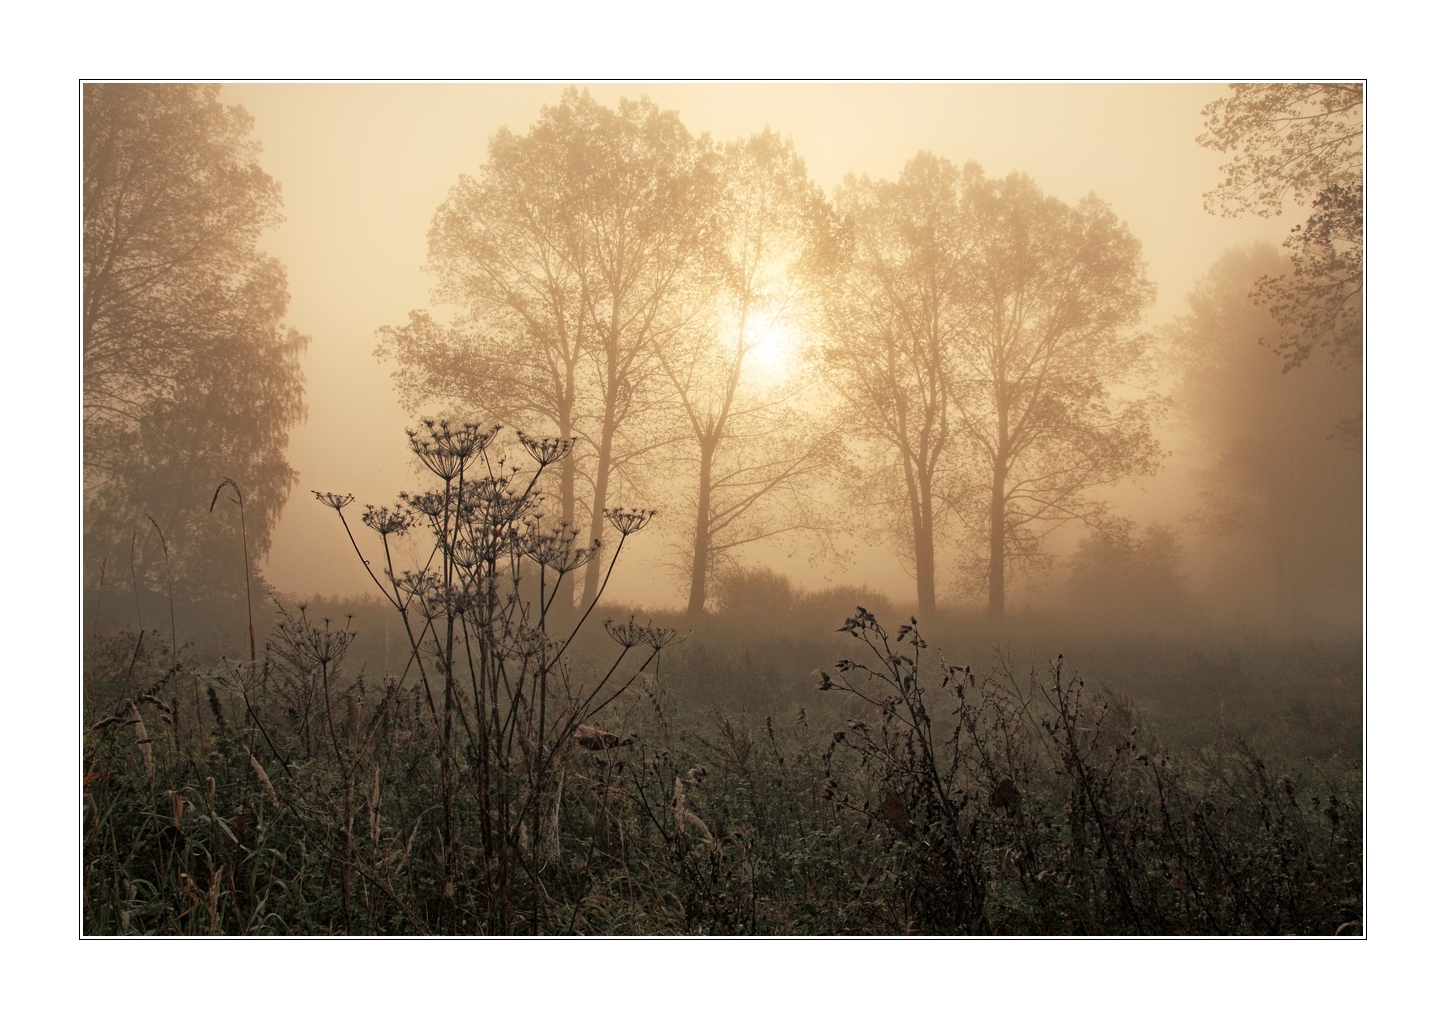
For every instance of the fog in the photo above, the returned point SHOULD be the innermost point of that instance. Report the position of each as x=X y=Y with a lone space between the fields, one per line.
x=476 y=479
x=362 y=170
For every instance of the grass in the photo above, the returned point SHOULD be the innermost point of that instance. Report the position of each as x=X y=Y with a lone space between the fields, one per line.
x=1029 y=803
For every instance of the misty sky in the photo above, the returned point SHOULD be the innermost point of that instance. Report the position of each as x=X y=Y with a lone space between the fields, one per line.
x=363 y=167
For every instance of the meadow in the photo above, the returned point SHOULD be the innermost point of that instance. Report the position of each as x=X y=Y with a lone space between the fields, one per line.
x=759 y=777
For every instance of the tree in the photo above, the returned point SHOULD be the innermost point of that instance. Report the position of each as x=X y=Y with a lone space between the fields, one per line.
x=569 y=254
x=1306 y=142
x=753 y=451
x=1046 y=347
x=1280 y=489
x=892 y=316
x=189 y=374
x=1118 y=575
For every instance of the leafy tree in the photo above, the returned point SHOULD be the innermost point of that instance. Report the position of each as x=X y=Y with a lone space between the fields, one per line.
x=1301 y=141
x=1281 y=490
x=1052 y=293
x=189 y=374
x=753 y=451
x=978 y=331
x=892 y=317
x=569 y=254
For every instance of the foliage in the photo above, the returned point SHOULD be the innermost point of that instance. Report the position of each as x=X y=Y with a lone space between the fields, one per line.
x=756 y=595
x=189 y=374
x=978 y=331
x=1033 y=807
x=1302 y=141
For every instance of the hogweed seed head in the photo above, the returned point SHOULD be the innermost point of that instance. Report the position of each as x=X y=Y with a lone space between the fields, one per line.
x=660 y=637
x=628 y=634
x=634 y=634
x=387 y=520
x=429 y=504
x=546 y=451
x=629 y=521
x=446 y=450
x=554 y=548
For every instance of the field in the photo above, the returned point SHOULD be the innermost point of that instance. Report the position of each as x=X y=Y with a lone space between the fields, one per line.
x=758 y=777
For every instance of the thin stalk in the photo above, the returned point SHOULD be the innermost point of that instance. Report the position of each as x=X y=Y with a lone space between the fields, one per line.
x=170 y=591
x=246 y=557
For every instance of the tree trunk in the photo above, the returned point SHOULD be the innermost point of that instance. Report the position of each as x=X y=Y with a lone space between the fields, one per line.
x=924 y=550
x=698 y=587
x=600 y=499
x=1002 y=395
x=996 y=541
x=567 y=497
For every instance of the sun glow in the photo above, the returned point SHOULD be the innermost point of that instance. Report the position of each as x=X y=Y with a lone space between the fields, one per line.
x=772 y=349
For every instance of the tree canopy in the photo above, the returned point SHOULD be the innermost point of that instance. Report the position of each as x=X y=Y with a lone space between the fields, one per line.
x=569 y=253
x=752 y=449
x=978 y=331
x=597 y=261
x=893 y=315
x=1304 y=142
x=189 y=373
x=1055 y=295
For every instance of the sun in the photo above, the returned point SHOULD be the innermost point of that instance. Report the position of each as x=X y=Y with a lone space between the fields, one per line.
x=773 y=346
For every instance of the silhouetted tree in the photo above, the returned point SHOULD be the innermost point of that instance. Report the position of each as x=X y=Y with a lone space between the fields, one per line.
x=1281 y=490
x=893 y=315
x=1052 y=294
x=1303 y=141
x=568 y=254
x=754 y=450
x=189 y=374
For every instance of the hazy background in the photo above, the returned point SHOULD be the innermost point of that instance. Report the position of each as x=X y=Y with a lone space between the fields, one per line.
x=364 y=167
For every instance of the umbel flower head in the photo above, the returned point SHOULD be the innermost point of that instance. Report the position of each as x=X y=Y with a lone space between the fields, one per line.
x=554 y=547
x=387 y=520
x=446 y=450
x=629 y=521
x=633 y=634
x=429 y=504
x=546 y=451
x=336 y=502
x=629 y=634
x=660 y=637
